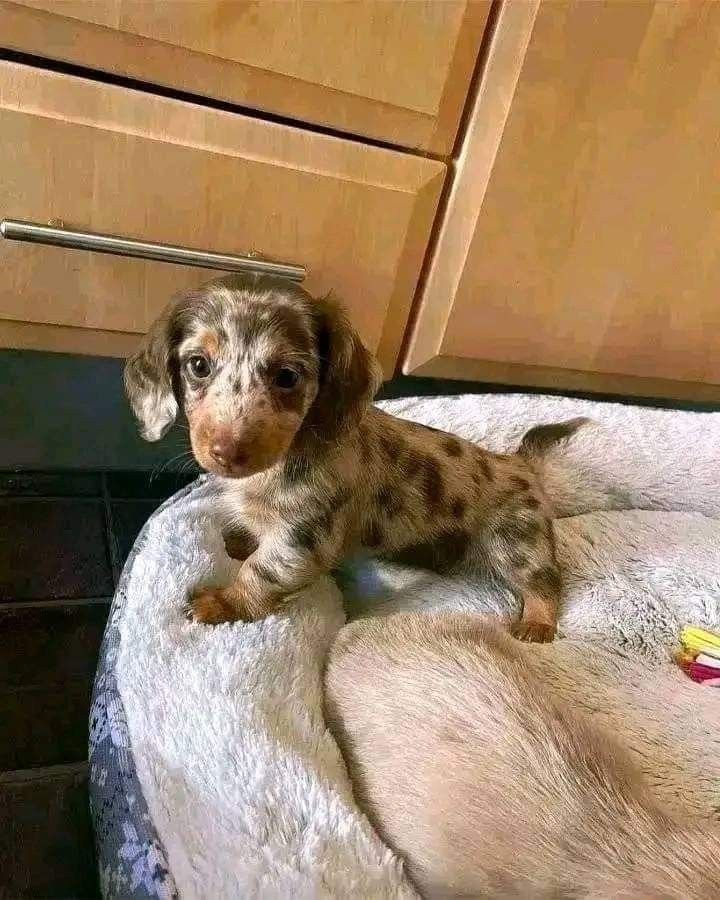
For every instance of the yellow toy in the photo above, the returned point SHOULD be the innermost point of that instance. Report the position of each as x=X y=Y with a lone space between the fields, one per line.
x=699 y=655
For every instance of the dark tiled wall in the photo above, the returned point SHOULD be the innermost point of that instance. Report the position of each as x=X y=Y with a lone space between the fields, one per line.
x=64 y=537
x=60 y=411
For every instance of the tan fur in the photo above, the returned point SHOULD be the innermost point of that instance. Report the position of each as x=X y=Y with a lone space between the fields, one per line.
x=209 y=343
x=314 y=472
x=485 y=784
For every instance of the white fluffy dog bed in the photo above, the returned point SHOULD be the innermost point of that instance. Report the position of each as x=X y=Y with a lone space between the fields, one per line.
x=212 y=773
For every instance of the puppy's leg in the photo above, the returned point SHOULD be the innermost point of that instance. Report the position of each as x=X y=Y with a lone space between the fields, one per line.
x=522 y=554
x=266 y=577
x=539 y=591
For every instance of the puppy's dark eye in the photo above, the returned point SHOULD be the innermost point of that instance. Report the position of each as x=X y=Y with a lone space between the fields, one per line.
x=198 y=366
x=286 y=379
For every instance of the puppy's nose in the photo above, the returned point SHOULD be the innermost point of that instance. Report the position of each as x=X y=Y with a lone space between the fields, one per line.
x=227 y=453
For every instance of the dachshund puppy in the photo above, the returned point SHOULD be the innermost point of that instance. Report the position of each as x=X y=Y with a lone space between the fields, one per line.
x=277 y=389
x=487 y=784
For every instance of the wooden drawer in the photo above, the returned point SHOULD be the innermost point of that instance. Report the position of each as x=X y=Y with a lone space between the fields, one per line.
x=109 y=159
x=394 y=71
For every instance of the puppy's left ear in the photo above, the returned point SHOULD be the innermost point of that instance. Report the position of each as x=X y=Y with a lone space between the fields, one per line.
x=349 y=374
x=148 y=378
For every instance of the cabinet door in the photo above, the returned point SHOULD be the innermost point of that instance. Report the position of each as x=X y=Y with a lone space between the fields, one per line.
x=108 y=159
x=392 y=70
x=581 y=247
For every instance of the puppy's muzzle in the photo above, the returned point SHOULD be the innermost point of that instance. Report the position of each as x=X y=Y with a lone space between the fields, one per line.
x=228 y=453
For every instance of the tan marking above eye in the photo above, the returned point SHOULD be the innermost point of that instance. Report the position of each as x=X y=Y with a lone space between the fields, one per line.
x=209 y=342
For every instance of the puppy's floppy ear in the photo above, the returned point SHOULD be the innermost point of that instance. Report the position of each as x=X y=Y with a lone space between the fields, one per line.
x=149 y=377
x=349 y=373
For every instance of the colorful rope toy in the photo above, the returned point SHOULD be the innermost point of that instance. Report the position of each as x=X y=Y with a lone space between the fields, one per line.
x=699 y=655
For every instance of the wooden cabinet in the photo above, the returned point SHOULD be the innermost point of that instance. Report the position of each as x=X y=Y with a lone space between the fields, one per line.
x=575 y=248
x=580 y=245
x=394 y=71
x=109 y=159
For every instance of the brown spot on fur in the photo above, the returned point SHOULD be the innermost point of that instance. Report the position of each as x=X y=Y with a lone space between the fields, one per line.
x=439 y=554
x=413 y=463
x=521 y=484
x=339 y=498
x=391 y=448
x=297 y=468
x=546 y=581
x=292 y=328
x=452 y=446
x=305 y=535
x=389 y=500
x=239 y=543
x=288 y=400
x=314 y=531
x=372 y=535
x=458 y=507
x=433 y=484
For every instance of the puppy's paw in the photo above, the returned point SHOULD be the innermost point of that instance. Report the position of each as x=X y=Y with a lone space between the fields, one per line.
x=212 y=606
x=533 y=632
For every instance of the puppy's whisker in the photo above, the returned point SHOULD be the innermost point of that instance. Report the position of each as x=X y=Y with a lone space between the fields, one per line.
x=189 y=465
x=158 y=470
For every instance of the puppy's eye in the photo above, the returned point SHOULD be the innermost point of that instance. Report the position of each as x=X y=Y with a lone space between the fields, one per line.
x=198 y=366
x=286 y=379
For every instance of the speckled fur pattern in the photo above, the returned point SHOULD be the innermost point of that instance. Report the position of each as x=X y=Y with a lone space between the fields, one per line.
x=313 y=473
x=406 y=494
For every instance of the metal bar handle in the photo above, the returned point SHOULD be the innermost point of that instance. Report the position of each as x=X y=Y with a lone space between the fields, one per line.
x=35 y=233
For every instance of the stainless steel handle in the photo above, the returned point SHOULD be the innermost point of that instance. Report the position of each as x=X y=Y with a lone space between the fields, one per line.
x=35 y=233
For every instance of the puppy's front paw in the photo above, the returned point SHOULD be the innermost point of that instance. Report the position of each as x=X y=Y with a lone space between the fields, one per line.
x=212 y=606
x=533 y=632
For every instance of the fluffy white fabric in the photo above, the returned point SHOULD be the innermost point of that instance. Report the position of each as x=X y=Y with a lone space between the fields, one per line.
x=245 y=786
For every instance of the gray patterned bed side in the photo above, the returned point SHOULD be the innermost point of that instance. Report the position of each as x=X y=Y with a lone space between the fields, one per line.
x=132 y=862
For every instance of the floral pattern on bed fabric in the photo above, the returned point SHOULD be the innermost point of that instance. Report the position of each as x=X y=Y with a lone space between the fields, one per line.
x=131 y=860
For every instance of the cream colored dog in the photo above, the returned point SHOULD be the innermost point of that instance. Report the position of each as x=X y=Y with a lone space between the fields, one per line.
x=488 y=787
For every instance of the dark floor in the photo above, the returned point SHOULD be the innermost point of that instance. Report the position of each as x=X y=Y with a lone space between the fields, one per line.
x=63 y=539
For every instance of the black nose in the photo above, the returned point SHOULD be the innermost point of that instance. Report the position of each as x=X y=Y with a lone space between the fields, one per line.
x=226 y=453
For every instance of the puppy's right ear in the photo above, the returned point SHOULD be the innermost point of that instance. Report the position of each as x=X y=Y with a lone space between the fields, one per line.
x=148 y=379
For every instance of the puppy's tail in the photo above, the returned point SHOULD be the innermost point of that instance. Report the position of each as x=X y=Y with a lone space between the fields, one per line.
x=541 y=438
